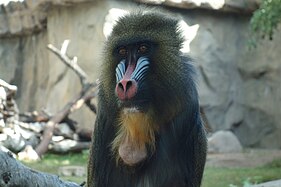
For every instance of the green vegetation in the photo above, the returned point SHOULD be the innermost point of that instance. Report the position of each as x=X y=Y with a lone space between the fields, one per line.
x=239 y=177
x=265 y=20
x=213 y=177
x=51 y=163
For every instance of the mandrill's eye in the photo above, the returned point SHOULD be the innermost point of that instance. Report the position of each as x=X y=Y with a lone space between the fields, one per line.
x=122 y=51
x=143 y=48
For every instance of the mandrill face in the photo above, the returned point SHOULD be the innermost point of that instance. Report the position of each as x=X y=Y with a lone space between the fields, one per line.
x=132 y=75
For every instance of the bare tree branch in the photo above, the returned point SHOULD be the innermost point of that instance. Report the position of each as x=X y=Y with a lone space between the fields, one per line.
x=49 y=129
x=84 y=96
x=71 y=63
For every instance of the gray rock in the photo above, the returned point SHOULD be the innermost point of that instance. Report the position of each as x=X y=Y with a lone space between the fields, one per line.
x=14 y=141
x=221 y=5
x=67 y=171
x=64 y=129
x=239 y=89
x=4 y=149
x=2 y=123
x=224 y=142
x=276 y=183
x=67 y=145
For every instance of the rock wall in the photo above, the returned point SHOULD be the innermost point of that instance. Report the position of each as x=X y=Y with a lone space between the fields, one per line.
x=239 y=89
x=23 y=63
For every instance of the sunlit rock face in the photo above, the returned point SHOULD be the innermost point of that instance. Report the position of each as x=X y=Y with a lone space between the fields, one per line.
x=239 y=89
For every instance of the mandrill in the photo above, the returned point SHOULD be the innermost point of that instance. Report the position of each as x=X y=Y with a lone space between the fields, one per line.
x=148 y=131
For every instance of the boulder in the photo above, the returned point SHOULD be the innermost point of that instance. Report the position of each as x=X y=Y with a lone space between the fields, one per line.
x=68 y=171
x=276 y=183
x=224 y=142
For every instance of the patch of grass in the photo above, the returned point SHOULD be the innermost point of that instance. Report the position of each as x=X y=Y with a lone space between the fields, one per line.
x=213 y=177
x=274 y=164
x=52 y=162
x=232 y=177
x=241 y=177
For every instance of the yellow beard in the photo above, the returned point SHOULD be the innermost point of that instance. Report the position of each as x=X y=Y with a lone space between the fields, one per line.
x=138 y=128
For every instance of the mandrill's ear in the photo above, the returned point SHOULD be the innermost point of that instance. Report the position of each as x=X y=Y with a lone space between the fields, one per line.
x=110 y=20
x=192 y=32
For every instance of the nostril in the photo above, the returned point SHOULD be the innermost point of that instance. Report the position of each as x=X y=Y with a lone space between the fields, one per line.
x=126 y=89
x=129 y=85
x=120 y=85
x=125 y=85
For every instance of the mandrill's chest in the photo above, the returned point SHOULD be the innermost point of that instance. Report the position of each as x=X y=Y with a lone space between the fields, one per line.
x=146 y=159
x=135 y=137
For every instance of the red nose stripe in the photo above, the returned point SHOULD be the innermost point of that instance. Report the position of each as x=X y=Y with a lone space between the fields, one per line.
x=126 y=88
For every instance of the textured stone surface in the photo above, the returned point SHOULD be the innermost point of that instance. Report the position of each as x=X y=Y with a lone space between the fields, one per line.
x=27 y=16
x=17 y=18
x=22 y=17
x=77 y=171
x=25 y=63
x=239 y=89
x=276 y=183
x=240 y=6
x=224 y=142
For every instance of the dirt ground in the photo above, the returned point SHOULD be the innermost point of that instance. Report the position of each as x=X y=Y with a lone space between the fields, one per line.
x=248 y=158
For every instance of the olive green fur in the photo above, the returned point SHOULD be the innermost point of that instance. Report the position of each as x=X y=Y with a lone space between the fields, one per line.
x=159 y=28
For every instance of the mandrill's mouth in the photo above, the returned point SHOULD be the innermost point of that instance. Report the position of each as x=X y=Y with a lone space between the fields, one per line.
x=134 y=106
x=131 y=110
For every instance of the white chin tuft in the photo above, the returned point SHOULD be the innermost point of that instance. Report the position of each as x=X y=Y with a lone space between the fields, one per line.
x=130 y=110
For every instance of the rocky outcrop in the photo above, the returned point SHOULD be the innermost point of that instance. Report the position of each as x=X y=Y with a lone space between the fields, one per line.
x=235 y=6
x=239 y=88
x=17 y=18
x=27 y=17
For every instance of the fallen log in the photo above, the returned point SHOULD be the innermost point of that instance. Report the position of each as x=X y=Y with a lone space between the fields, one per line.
x=14 y=173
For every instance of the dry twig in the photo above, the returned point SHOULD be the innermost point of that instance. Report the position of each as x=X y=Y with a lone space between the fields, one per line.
x=88 y=92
